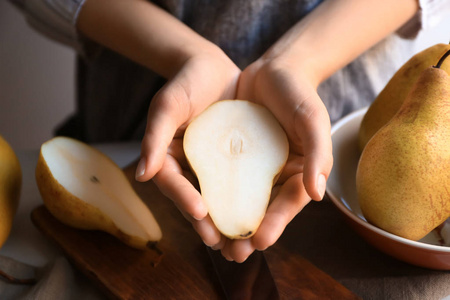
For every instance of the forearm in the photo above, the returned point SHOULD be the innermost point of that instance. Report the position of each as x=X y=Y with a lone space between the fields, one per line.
x=337 y=32
x=142 y=32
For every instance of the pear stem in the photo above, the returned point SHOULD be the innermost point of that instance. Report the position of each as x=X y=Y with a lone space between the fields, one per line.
x=159 y=253
x=438 y=65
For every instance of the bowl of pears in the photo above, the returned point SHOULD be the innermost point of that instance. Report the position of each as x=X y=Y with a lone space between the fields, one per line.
x=391 y=173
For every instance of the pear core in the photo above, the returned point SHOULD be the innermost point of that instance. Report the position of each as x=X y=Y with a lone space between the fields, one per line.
x=236 y=148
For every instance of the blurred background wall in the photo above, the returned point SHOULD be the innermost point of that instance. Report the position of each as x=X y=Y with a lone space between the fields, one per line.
x=36 y=81
x=37 y=78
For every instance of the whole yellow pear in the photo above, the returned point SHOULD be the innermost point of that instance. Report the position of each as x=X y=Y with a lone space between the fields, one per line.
x=10 y=185
x=390 y=99
x=403 y=176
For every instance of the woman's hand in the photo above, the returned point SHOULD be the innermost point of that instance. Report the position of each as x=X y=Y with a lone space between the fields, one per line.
x=203 y=80
x=300 y=112
x=293 y=100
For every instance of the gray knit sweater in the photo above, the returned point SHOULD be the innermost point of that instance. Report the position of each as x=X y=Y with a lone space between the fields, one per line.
x=113 y=93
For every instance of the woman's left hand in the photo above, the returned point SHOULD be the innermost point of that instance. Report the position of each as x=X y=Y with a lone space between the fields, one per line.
x=293 y=100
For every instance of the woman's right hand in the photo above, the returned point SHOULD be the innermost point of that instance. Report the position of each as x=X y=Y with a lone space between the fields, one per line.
x=198 y=73
x=202 y=80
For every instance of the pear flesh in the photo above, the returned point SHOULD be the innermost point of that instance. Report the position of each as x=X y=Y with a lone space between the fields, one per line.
x=236 y=148
x=84 y=189
x=403 y=176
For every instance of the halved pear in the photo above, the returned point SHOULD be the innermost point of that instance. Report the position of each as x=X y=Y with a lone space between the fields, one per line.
x=83 y=188
x=237 y=149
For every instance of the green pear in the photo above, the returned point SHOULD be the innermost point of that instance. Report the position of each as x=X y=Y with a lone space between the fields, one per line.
x=403 y=176
x=390 y=99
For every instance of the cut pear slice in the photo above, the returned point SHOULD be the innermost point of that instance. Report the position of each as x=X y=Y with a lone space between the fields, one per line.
x=236 y=148
x=85 y=189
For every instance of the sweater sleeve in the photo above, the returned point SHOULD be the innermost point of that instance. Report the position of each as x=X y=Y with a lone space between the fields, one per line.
x=55 y=19
x=430 y=13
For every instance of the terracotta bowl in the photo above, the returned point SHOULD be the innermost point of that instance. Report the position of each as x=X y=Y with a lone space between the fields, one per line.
x=433 y=251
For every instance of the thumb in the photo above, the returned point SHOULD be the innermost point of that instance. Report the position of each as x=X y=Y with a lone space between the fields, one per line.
x=168 y=110
x=315 y=134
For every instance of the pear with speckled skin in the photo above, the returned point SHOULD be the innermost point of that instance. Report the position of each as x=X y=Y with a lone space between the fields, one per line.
x=236 y=148
x=391 y=98
x=403 y=176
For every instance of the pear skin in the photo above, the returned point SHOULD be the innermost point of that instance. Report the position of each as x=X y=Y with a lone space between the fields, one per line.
x=390 y=99
x=403 y=176
x=10 y=185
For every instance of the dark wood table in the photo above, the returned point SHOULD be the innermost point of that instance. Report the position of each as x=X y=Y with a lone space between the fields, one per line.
x=317 y=257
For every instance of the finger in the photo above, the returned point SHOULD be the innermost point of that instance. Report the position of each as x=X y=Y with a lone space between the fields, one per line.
x=175 y=186
x=220 y=244
x=176 y=151
x=208 y=232
x=240 y=250
x=294 y=165
x=206 y=229
x=290 y=200
x=225 y=251
x=246 y=84
x=168 y=110
x=305 y=119
x=312 y=124
x=192 y=179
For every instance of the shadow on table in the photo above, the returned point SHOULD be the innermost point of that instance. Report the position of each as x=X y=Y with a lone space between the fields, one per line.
x=321 y=235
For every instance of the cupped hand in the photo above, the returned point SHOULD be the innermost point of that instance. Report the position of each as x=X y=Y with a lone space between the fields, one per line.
x=202 y=80
x=294 y=102
x=291 y=96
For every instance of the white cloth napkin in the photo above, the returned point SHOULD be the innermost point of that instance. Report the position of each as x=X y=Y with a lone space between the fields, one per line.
x=57 y=280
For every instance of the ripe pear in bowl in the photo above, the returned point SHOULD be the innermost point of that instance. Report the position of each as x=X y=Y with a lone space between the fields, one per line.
x=10 y=185
x=84 y=189
x=237 y=149
x=391 y=98
x=403 y=176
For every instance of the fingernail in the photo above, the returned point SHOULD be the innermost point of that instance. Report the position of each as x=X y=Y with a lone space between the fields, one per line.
x=197 y=218
x=140 y=170
x=321 y=185
x=202 y=211
x=227 y=257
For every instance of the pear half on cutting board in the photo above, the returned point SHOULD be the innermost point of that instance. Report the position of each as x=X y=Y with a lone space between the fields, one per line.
x=83 y=188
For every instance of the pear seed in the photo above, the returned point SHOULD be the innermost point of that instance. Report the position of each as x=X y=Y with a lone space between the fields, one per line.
x=94 y=179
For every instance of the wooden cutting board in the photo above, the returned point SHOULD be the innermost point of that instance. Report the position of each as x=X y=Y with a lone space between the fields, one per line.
x=183 y=270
